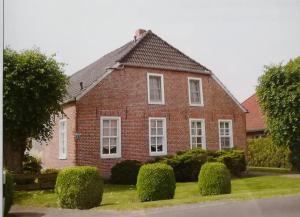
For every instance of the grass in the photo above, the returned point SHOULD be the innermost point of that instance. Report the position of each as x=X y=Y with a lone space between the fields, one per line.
x=269 y=170
x=120 y=197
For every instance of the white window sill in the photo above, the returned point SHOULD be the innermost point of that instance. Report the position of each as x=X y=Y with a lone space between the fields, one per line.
x=108 y=156
x=156 y=103
x=62 y=158
x=197 y=105
x=153 y=154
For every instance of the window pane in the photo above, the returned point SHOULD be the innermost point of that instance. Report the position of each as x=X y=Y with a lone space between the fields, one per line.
x=105 y=141
x=194 y=124
x=113 y=131
x=159 y=140
x=221 y=124
x=199 y=141
x=193 y=131
x=113 y=141
x=222 y=131
x=225 y=142
x=199 y=132
x=198 y=124
x=159 y=148
x=160 y=131
x=113 y=123
x=159 y=123
x=195 y=91
x=105 y=150
x=153 y=131
x=153 y=123
x=155 y=88
x=153 y=148
x=194 y=141
x=105 y=123
x=105 y=131
x=226 y=124
x=113 y=149
x=153 y=140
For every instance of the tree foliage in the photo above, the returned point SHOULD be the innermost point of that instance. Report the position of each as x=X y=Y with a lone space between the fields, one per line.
x=34 y=87
x=279 y=97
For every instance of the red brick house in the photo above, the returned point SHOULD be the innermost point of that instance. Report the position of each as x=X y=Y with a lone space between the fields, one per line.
x=255 y=125
x=142 y=100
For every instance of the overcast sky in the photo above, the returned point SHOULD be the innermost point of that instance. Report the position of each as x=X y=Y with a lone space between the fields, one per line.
x=233 y=38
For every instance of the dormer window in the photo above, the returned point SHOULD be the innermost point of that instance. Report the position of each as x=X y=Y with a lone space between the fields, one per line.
x=195 y=92
x=155 y=89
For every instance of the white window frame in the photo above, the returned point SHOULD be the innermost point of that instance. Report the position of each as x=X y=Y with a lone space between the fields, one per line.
x=118 y=153
x=61 y=155
x=165 y=151
x=203 y=132
x=230 y=132
x=162 y=88
x=201 y=91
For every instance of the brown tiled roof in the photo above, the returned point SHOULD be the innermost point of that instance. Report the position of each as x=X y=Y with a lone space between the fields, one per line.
x=148 y=51
x=254 y=117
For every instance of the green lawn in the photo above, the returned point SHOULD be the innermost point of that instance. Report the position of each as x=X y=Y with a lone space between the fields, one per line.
x=125 y=197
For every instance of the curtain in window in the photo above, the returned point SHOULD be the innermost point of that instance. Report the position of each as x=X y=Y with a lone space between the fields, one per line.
x=155 y=89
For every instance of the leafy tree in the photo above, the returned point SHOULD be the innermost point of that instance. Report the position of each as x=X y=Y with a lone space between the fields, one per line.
x=279 y=97
x=34 y=87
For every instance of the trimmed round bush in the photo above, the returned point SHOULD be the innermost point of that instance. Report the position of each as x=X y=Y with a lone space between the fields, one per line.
x=156 y=182
x=8 y=192
x=79 y=187
x=214 y=179
x=125 y=172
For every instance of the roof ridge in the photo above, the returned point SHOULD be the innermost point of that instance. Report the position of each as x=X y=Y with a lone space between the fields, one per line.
x=181 y=52
x=105 y=55
x=134 y=46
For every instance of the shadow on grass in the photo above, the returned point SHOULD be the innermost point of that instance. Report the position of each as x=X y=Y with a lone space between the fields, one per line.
x=26 y=214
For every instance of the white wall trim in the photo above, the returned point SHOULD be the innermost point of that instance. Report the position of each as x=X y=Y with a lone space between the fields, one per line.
x=62 y=156
x=204 y=145
x=231 y=132
x=201 y=91
x=162 y=88
x=165 y=141
x=119 y=135
x=228 y=92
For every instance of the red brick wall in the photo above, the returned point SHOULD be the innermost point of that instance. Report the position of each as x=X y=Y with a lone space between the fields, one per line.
x=124 y=93
x=50 y=152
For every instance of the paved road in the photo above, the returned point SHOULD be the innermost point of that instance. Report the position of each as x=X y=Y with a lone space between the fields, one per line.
x=275 y=207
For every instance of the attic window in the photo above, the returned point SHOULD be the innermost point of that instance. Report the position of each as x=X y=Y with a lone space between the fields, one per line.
x=155 y=89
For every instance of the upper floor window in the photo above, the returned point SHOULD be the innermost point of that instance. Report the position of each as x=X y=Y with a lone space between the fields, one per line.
x=62 y=138
x=197 y=133
x=155 y=88
x=157 y=136
x=195 y=91
x=225 y=134
x=110 y=137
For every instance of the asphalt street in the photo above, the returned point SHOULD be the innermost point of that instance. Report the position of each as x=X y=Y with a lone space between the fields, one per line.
x=274 y=207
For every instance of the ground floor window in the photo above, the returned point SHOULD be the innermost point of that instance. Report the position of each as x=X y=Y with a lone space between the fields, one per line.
x=225 y=134
x=197 y=133
x=110 y=137
x=157 y=136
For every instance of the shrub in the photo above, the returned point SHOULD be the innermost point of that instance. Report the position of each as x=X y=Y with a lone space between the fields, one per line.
x=214 y=179
x=31 y=164
x=234 y=160
x=155 y=182
x=263 y=153
x=186 y=164
x=8 y=191
x=79 y=187
x=125 y=172
x=49 y=171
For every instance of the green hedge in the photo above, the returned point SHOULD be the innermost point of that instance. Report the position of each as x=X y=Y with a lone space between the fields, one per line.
x=186 y=164
x=79 y=187
x=263 y=153
x=31 y=164
x=214 y=179
x=8 y=192
x=125 y=172
x=155 y=182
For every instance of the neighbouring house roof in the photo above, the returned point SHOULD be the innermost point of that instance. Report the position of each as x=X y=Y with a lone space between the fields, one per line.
x=149 y=51
x=254 y=117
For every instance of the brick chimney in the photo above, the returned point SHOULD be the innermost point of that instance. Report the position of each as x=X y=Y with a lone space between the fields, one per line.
x=139 y=33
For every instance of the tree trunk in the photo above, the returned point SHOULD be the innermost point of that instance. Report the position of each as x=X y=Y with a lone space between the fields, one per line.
x=295 y=157
x=13 y=152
